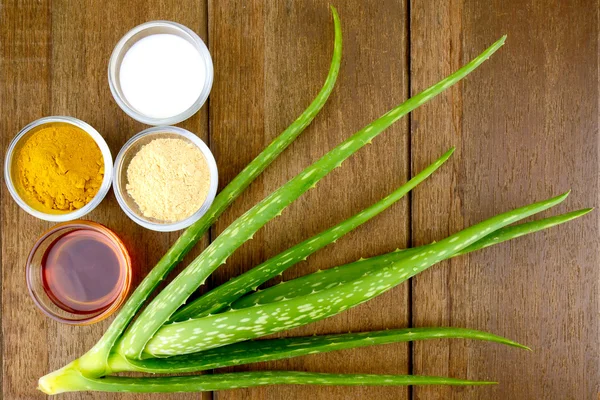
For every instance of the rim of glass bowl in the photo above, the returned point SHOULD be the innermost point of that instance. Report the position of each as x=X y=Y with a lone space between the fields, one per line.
x=76 y=214
x=114 y=306
x=123 y=46
x=212 y=191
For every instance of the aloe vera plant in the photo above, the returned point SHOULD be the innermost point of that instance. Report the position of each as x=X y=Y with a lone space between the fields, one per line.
x=208 y=333
x=241 y=230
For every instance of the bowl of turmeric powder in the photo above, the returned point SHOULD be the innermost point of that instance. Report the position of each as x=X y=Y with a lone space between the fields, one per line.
x=58 y=168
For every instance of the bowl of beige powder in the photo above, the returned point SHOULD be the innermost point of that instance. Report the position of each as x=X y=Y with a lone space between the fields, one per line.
x=165 y=178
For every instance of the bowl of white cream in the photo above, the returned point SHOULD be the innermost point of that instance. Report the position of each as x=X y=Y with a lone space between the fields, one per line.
x=160 y=73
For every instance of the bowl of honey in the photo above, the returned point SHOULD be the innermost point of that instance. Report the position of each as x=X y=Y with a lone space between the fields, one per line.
x=79 y=272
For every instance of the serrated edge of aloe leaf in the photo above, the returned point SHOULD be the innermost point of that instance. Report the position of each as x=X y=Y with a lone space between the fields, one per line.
x=222 y=296
x=512 y=232
x=275 y=349
x=312 y=283
x=235 y=380
x=249 y=323
x=345 y=273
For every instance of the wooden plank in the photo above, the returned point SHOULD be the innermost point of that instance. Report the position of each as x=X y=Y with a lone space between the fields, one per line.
x=54 y=61
x=24 y=72
x=536 y=101
x=526 y=128
x=271 y=59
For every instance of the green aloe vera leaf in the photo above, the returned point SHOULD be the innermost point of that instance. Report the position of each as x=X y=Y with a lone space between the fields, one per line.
x=275 y=349
x=321 y=280
x=249 y=323
x=224 y=295
x=336 y=276
x=241 y=230
x=94 y=361
x=73 y=381
x=512 y=232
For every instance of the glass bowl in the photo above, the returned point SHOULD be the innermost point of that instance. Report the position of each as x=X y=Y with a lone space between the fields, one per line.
x=140 y=32
x=127 y=153
x=57 y=216
x=35 y=279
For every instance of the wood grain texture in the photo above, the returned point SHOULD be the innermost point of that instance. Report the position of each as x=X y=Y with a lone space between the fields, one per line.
x=526 y=128
x=272 y=60
x=54 y=62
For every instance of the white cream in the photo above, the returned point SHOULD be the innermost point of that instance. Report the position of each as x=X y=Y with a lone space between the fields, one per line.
x=162 y=75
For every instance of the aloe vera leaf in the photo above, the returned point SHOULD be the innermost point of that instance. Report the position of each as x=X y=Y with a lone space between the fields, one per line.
x=512 y=232
x=241 y=230
x=94 y=361
x=276 y=349
x=224 y=295
x=336 y=276
x=74 y=381
x=321 y=280
x=249 y=323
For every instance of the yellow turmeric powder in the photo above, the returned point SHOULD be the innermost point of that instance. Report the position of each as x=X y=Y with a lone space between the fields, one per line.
x=59 y=167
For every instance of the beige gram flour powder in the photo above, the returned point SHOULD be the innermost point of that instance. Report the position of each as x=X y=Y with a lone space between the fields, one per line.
x=168 y=179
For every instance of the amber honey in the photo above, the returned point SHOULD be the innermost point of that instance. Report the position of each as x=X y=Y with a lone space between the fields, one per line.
x=83 y=271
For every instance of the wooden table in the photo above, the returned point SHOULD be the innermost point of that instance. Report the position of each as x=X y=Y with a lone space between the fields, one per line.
x=525 y=126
